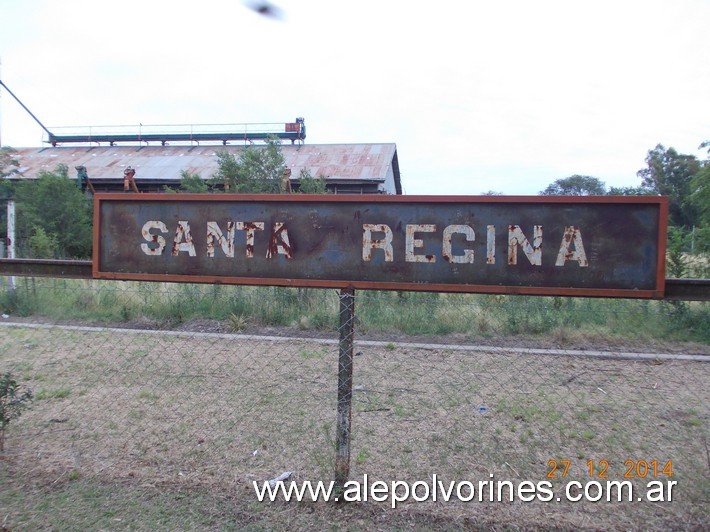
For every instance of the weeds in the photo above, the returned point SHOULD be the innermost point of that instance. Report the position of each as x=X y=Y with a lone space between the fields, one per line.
x=562 y=320
x=237 y=322
x=54 y=393
x=12 y=402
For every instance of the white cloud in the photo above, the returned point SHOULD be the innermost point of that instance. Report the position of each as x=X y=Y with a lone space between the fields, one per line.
x=477 y=95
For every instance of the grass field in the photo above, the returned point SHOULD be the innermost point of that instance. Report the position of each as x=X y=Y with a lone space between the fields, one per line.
x=167 y=430
x=472 y=317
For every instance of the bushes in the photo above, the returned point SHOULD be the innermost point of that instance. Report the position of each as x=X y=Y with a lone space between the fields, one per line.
x=54 y=219
x=411 y=313
x=12 y=402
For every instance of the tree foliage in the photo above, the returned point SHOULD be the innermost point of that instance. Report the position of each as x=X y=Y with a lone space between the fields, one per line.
x=307 y=184
x=676 y=265
x=8 y=163
x=576 y=185
x=12 y=402
x=42 y=245
x=256 y=170
x=700 y=195
x=683 y=178
x=700 y=199
x=670 y=173
x=629 y=191
x=192 y=182
x=54 y=216
x=8 y=166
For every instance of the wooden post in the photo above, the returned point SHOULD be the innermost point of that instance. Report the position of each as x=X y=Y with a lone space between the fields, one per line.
x=345 y=388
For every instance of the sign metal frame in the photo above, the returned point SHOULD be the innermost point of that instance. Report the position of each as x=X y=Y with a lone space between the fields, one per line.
x=653 y=238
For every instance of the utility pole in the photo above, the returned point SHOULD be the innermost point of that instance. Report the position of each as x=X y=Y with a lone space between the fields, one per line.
x=11 y=236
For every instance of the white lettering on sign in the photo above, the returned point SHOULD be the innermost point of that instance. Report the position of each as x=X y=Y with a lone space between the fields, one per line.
x=490 y=244
x=411 y=242
x=279 y=241
x=182 y=232
x=368 y=244
x=216 y=237
x=447 y=251
x=250 y=227
x=156 y=239
x=572 y=235
x=517 y=238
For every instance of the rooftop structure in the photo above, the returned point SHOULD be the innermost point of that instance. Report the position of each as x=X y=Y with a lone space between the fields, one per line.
x=347 y=168
x=170 y=133
x=186 y=133
x=151 y=158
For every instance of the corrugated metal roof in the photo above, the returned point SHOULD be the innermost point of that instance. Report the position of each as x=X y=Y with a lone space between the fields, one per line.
x=348 y=162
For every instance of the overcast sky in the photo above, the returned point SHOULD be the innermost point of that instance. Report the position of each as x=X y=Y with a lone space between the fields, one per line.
x=506 y=96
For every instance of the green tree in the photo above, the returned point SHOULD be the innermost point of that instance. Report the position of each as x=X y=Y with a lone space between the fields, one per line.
x=307 y=184
x=53 y=203
x=8 y=163
x=191 y=182
x=670 y=173
x=700 y=198
x=700 y=191
x=8 y=166
x=12 y=402
x=676 y=265
x=629 y=191
x=256 y=170
x=576 y=185
x=42 y=245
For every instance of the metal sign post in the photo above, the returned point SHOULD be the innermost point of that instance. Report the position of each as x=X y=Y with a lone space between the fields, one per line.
x=345 y=388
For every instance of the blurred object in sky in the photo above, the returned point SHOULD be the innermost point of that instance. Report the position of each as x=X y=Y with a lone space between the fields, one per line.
x=265 y=8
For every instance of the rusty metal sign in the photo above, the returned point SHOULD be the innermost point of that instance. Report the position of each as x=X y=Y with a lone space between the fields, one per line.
x=586 y=246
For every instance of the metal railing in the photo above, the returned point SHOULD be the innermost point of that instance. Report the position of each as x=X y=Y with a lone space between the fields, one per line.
x=676 y=289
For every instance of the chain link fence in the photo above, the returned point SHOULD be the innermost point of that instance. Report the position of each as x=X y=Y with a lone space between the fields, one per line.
x=216 y=386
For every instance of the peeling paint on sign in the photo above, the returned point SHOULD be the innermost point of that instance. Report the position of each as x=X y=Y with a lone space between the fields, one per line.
x=586 y=246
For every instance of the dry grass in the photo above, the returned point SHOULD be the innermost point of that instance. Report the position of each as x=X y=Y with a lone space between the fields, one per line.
x=136 y=416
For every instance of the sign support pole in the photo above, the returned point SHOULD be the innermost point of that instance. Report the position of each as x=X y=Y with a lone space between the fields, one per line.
x=11 y=236
x=345 y=388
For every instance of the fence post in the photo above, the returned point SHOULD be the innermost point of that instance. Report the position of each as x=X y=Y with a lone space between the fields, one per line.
x=11 y=236
x=345 y=388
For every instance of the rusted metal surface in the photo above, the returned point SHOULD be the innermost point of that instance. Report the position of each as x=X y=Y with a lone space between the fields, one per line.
x=71 y=269
x=345 y=387
x=676 y=289
x=374 y=164
x=611 y=247
x=688 y=289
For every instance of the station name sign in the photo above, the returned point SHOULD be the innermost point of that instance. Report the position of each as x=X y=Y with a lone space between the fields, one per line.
x=586 y=246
